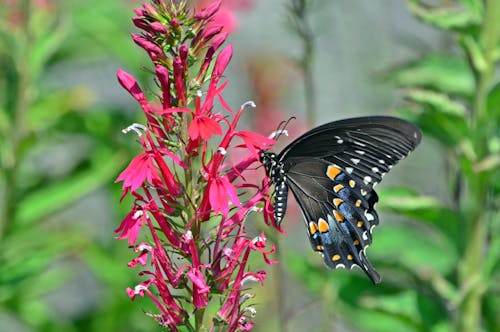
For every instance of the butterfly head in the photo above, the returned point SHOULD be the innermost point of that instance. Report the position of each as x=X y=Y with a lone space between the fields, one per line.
x=268 y=159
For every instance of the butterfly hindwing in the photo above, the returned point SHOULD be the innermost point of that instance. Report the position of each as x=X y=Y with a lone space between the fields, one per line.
x=335 y=211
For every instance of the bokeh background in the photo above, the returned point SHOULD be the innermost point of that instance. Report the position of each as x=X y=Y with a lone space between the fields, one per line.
x=61 y=147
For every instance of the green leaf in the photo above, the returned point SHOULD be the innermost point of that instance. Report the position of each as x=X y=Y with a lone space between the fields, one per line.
x=46 y=45
x=414 y=247
x=489 y=163
x=439 y=102
x=475 y=53
x=447 y=18
x=493 y=101
x=407 y=202
x=475 y=7
x=449 y=130
x=58 y=195
x=443 y=73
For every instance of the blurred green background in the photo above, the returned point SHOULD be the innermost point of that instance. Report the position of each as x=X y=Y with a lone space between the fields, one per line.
x=61 y=148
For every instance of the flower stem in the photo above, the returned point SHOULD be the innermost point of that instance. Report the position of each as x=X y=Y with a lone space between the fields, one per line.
x=299 y=12
x=19 y=87
x=280 y=291
x=470 y=274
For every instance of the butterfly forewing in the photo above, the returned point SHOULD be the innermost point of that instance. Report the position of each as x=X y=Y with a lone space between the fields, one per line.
x=331 y=171
x=366 y=148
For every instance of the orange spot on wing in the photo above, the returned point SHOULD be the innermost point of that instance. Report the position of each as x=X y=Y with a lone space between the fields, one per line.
x=360 y=224
x=356 y=242
x=335 y=257
x=319 y=247
x=323 y=226
x=313 y=228
x=352 y=183
x=358 y=203
x=349 y=257
x=338 y=188
x=333 y=171
x=338 y=216
x=337 y=201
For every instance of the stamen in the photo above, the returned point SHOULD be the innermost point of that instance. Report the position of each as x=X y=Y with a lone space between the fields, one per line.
x=144 y=246
x=245 y=297
x=278 y=132
x=248 y=279
x=138 y=214
x=251 y=311
x=139 y=288
x=135 y=127
x=249 y=103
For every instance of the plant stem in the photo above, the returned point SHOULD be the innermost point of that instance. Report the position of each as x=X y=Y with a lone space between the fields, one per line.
x=280 y=291
x=470 y=274
x=23 y=95
x=299 y=11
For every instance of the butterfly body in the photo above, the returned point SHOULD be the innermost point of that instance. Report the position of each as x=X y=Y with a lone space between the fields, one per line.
x=331 y=171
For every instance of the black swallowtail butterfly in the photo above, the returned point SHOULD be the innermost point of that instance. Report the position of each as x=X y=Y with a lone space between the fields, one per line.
x=331 y=171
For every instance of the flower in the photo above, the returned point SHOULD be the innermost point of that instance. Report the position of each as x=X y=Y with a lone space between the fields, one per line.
x=183 y=177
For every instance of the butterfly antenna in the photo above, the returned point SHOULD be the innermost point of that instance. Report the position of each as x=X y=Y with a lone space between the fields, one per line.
x=281 y=130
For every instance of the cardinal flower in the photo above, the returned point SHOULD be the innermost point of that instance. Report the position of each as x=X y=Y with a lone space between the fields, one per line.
x=191 y=196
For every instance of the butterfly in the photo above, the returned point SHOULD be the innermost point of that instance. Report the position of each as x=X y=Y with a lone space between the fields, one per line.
x=331 y=171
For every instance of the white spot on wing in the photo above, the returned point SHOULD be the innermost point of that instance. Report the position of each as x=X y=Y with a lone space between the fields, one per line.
x=338 y=266
x=369 y=216
x=349 y=170
x=361 y=152
x=367 y=179
x=359 y=143
x=375 y=169
x=355 y=161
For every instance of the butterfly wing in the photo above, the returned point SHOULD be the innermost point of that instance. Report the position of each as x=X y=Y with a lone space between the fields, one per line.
x=366 y=148
x=339 y=217
x=331 y=171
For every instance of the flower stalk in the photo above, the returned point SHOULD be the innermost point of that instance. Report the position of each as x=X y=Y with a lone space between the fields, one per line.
x=191 y=197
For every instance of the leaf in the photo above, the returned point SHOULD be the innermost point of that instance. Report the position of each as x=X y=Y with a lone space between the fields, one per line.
x=449 y=130
x=488 y=163
x=414 y=247
x=475 y=53
x=439 y=102
x=475 y=7
x=430 y=312
x=493 y=101
x=447 y=18
x=58 y=195
x=26 y=254
x=444 y=73
x=407 y=202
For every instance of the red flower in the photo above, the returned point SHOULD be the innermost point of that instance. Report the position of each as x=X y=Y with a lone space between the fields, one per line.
x=181 y=179
x=131 y=225
x=221 y=192
x=255 y=142
x=203 y=127
x=140 y=169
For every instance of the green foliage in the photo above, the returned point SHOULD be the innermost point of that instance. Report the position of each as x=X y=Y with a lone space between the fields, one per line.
x=59 y=148
x=440 y=262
